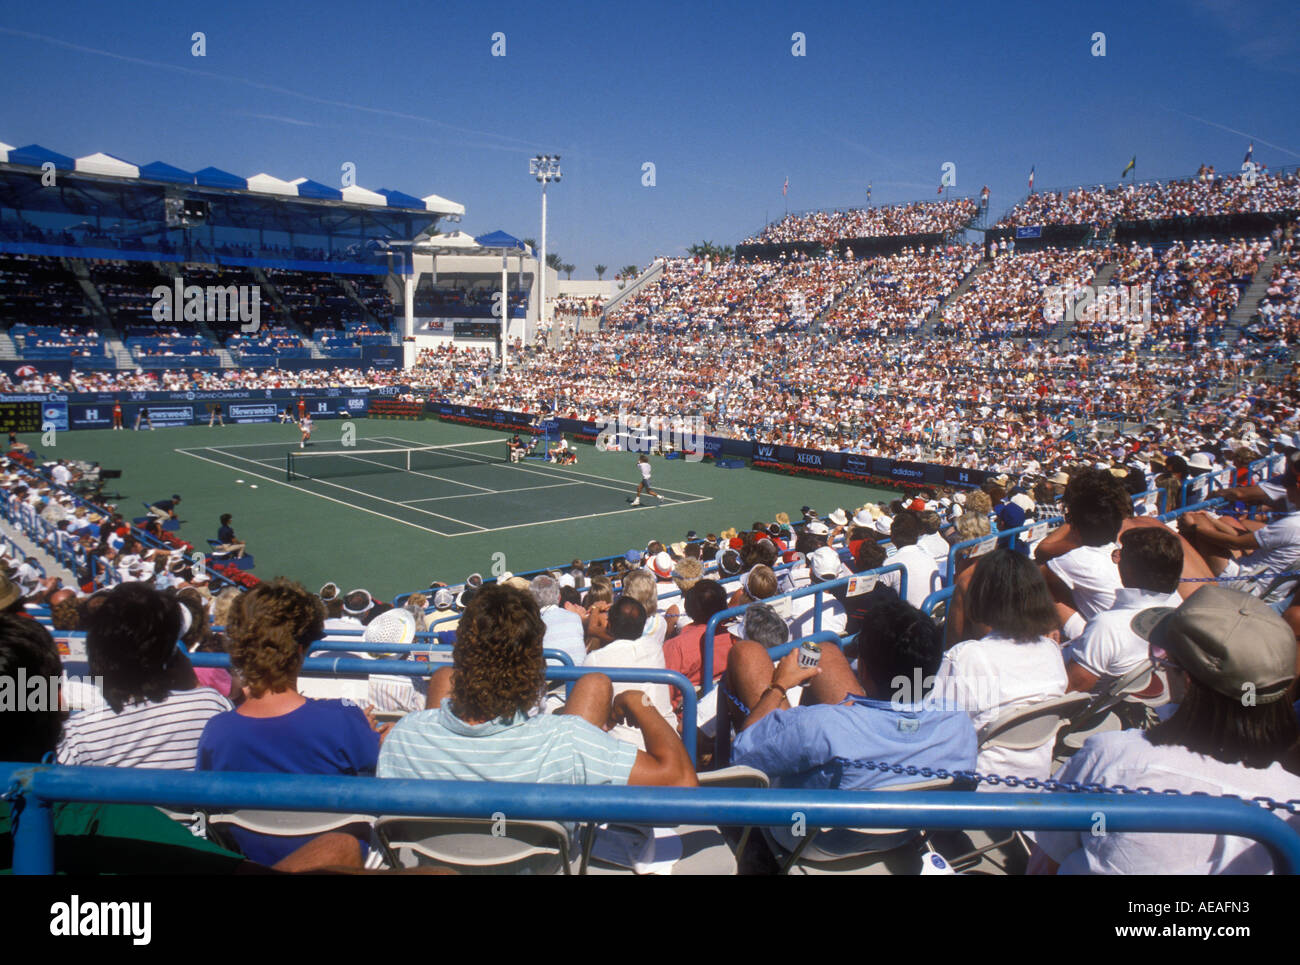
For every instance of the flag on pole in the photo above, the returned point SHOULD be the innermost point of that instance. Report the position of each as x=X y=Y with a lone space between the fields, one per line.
x=1129 y=167
x=868 y=192
x=1249 y=151
x=785 y=188
x=941 y=187
x=1031 y=178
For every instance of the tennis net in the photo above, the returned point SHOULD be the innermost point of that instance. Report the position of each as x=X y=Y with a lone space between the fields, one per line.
x=303 y=464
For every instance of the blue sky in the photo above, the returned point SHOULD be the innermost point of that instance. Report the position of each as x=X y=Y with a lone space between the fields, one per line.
x=710 y=94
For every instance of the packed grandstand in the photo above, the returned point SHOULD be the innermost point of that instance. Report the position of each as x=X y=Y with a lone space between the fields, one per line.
x=1105 y=560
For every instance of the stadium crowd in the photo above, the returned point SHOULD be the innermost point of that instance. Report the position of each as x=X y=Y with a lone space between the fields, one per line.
x=920 y=217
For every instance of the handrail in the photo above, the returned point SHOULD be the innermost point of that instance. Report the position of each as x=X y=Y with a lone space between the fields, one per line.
x=41 y=785
x=817 y=589
x=993 y=538
x=565 y=673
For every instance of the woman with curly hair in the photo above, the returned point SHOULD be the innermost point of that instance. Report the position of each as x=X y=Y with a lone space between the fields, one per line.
x=276 y=729
x=153 y=710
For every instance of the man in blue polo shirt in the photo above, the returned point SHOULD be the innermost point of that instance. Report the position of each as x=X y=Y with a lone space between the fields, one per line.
x=877 y=715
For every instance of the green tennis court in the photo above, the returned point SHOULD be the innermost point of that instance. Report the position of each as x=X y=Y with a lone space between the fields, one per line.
x=449 y=490
x=364 y=520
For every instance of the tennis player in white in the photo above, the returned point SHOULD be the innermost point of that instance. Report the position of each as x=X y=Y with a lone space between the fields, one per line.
x=305 y=427
x=643 y=464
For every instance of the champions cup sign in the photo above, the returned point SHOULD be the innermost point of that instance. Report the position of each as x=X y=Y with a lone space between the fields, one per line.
x=215 y=303
x=684 y=434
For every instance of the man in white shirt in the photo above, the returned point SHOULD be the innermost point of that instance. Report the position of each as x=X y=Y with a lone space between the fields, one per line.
x=904 y=533
x=1235 y=549
x=1225 y=644
x=631 y=648
x=1084 y=580
x=823 y=565
x=1150 y=565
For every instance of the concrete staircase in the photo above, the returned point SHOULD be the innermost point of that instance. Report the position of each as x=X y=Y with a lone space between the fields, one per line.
x=936 y=316
x=8 y=348
x=350 y=290
x=1248 y=305
x=646 y=277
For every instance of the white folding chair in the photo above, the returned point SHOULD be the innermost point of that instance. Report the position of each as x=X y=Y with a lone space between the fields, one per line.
x=476 y=845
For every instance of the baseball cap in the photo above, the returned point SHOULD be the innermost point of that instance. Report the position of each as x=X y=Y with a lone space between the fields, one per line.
x=1227 y=640
x=824 y=562
x=632 y=556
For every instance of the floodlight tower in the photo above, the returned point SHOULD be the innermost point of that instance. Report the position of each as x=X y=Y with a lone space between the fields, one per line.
x=545 y=168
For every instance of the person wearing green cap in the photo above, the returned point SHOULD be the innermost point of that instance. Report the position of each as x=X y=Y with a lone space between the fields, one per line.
x=1234 y=732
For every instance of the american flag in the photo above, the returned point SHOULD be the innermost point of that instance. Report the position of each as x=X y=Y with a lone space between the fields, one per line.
x=1031 y=177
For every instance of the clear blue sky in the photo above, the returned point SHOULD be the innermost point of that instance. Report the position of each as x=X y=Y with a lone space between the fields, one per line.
x=711 y=94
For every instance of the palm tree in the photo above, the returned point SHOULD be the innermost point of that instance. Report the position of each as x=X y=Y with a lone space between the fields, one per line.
x=569 y=270
x=531 y=243
x=554 y=262
x=629 y=271
x=600 y=272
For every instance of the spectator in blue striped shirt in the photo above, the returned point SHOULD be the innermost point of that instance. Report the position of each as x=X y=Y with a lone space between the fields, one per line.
x=481 y=729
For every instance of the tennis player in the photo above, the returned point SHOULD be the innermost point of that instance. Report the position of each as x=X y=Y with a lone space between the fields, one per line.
x=305 y=425
x=643 y=463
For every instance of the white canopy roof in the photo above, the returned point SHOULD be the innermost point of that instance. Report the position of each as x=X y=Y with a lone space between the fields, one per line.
x=441 y=205
x=101 y=163
x=269 y=184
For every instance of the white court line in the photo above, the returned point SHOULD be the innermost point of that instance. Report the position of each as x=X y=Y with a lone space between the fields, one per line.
x=566 y=519
x=496 y=492
x=391 y=502
x=281 y=482
x=624 y=488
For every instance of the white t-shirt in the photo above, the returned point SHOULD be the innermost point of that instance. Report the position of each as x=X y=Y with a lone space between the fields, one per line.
x=1127 y=757
x=1091 y=575
x=1279 y=547
x=61 y=475
x=920 y=572
x=642 y=652
x=645 y=470
x=991 y=676
x=1109 y=647
x=803 y=613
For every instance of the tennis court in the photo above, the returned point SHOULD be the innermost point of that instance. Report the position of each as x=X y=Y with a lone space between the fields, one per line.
x=461 y=489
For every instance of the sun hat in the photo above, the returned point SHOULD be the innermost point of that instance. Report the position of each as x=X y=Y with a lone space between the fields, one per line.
x=396 y=626
x=662 y=565
x=1230 y=641
x=838 y=517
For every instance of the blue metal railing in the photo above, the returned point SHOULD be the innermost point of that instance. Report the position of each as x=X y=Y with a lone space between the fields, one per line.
x=39 y=786
x=816 y=589
x=565 y=673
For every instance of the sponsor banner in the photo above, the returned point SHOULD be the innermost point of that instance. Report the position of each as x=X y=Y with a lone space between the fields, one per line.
x=54 y=415
x=953 y=476
x=99 y=416
x=1030 y=231
x=170 y=414
x=857 y=464
x=252 y=412
x=433 y=326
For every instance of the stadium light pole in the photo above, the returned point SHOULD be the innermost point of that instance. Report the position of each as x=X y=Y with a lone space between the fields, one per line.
x=545 y=168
